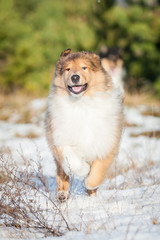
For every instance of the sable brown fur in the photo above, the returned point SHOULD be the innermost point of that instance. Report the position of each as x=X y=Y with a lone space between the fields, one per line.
x=93 y=61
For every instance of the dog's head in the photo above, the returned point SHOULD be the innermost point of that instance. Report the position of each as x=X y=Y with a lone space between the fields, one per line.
x=77 y=71
x=111 y=58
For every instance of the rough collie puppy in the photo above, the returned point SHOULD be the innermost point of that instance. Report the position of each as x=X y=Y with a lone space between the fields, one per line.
x=112 y=62
x=83 y=120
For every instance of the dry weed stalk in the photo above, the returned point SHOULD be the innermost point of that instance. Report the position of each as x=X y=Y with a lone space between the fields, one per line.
x=26 y=201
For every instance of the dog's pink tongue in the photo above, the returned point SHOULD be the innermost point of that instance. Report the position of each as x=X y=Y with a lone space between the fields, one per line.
x=77 y=88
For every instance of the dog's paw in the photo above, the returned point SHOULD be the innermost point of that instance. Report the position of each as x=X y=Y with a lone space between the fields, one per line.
x=91 y=192
x=62 y=196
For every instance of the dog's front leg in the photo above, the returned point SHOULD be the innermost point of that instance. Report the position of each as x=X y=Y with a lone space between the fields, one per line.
x=62 y=184
x=73 y=164
x=61 y=177
x=98 y=173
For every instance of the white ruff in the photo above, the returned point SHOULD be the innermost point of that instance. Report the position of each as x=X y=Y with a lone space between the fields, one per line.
x=84 y=127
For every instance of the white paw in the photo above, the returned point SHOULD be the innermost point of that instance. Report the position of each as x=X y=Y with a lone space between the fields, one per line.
x=73 y=164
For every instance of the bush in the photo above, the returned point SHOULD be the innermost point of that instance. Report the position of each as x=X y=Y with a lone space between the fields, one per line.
x=135 y=29
x=157 y=86
x=32 y=36
x=27 y=205
x=33 y=33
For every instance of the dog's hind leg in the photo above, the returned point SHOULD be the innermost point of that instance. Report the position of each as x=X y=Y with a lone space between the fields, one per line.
x=98 y=172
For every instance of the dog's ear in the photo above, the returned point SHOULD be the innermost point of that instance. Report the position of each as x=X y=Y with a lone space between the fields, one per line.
x=95 y=57
x=96 y=60
x=61 y=60
x=65 y=52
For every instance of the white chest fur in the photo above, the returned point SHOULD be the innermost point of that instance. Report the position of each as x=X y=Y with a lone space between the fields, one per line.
x=87 y=124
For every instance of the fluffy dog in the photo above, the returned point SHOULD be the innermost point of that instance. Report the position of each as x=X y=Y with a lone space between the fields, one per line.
x=83 y=120
x=112 y=62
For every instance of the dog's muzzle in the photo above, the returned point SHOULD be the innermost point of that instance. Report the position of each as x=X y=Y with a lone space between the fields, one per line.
x=77 y=89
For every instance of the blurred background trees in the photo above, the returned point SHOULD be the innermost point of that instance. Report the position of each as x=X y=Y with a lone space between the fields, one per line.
x=33 y=33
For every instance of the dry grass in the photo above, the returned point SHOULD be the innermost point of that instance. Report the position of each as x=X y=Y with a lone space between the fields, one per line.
x=17 y=104
x=150 y=134
x=128 y=124
x=30 y=135
x=14 y=101
x=21 y=197
x=141 y=99
x=152 y=112
x=133 y=175
x=13 y=104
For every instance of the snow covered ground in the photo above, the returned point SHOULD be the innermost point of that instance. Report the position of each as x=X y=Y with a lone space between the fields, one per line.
x=127 y=205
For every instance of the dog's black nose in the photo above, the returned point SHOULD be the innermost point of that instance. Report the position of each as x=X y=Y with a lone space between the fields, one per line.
x=75 y=78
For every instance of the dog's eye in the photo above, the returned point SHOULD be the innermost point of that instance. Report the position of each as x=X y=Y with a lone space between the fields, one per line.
x=84 y=68
x=67 y=69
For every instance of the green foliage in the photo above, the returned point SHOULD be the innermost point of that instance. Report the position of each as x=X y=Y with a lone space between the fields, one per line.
x=157 y=86
x=33 y=33
x=136 y=29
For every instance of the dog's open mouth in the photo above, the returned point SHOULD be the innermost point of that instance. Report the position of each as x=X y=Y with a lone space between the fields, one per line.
x=77 y=89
